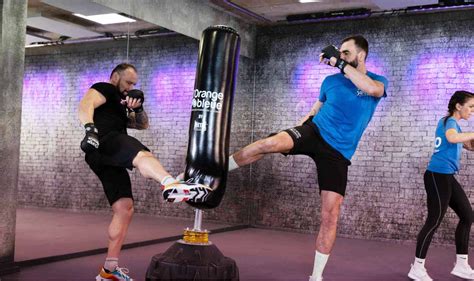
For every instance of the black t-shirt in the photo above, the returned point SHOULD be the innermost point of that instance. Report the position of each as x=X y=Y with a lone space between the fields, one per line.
x=112 y=115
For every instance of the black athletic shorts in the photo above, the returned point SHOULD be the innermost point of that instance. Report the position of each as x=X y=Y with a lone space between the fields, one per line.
x=331 y=165
x=110 y=164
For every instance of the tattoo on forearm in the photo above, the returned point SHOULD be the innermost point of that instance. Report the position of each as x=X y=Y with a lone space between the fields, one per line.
x=141 y=120
x=138 y=120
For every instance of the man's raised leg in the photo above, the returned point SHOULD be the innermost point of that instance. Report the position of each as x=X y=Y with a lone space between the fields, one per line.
x=281 y=142
x=173 y=190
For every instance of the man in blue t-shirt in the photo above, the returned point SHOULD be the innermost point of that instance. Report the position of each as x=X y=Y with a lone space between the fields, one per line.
x=329 y=134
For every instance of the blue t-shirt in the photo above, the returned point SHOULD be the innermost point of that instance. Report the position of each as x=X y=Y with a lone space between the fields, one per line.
x=447 y=156
x=346 y=112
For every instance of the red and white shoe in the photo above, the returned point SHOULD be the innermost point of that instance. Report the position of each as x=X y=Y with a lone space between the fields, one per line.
x=181 y=191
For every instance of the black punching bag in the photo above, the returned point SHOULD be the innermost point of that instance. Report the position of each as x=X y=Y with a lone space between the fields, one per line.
x=209 y=130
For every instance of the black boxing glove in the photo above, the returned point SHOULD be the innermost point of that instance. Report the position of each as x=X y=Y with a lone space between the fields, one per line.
x=331 y=51
x=90 y=143
x=137 y=94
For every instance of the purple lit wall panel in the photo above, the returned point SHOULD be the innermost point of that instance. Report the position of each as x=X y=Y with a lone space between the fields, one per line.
x=425 y=58
x=53 y=172
x=87 y=78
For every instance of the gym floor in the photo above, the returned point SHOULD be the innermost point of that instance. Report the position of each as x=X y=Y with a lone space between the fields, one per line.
x=260 y=254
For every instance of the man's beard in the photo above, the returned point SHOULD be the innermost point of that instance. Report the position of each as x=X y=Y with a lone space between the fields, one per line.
x=118 y=86
x=353 y=63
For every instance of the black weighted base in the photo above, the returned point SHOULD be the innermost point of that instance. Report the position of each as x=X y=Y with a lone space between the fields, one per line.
x=192 y=262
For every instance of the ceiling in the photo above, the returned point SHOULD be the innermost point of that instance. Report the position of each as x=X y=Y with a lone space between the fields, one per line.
x=278 y=10
x=52 y=21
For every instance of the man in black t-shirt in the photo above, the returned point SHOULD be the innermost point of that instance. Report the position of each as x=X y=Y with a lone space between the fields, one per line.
x=106 y=111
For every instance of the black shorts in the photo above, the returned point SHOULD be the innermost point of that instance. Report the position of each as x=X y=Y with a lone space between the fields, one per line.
x=110 y=164
x=331 y=165
x=118 y=149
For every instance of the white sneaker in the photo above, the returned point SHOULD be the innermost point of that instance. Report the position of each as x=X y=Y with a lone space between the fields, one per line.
x=181 y=191
x=463 y=271
x=418 y=273
x=314 y=278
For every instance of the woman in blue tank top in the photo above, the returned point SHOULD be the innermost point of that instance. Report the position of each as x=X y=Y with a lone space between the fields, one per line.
x=443 y=190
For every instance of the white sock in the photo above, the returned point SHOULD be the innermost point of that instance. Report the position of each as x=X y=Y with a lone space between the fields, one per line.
x=320 y=261
x=232 y=164
x=111 y=264
x=419 y=262
x=167 y=180
x=461 y=260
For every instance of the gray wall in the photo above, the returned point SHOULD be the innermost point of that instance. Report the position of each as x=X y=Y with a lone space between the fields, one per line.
x=52 y=170
x=425 y=58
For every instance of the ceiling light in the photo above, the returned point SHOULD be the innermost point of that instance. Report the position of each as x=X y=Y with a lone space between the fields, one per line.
x=309 y=1
x=106 y=18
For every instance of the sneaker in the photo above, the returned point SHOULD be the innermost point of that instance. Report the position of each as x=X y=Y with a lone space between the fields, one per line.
x=419 y=274
x=119 y=274
x=463 y=271
x=181 y=191
x=314 y=278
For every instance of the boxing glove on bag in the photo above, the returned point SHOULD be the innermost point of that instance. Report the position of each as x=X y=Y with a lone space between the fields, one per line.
x=209 y=130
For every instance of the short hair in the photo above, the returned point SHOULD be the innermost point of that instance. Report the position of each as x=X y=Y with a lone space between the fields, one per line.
x=360 y=42
x=122 y=67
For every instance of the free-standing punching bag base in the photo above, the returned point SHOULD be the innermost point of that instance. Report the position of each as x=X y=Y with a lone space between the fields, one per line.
x=194 y=257
x=184 y=261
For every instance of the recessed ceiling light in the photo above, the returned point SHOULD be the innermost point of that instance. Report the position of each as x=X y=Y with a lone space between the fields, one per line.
x=309 y=1
x=106 y=18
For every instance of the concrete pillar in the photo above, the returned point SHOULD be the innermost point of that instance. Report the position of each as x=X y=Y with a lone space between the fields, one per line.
x=12 y=56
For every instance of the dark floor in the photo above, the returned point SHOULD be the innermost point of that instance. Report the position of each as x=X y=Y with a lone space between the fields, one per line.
x=49 y=232
x=260 y=254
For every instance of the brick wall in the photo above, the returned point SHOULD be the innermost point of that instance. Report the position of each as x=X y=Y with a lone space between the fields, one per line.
x=425 y=58
x=52 y=170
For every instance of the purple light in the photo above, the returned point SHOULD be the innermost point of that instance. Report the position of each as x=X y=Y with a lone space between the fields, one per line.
x=87 y=79
x=171 y=88
x=331 y=18
x=246 y=11
x=440 y=8
x=375 y=65
x=45 y=89
x=306 y=79
x=435 y=77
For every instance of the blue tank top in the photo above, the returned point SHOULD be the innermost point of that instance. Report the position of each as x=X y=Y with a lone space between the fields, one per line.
x=446 y=158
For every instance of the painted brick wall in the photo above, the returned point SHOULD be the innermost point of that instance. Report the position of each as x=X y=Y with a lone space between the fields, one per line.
x=52 y=170
x=425 y=58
